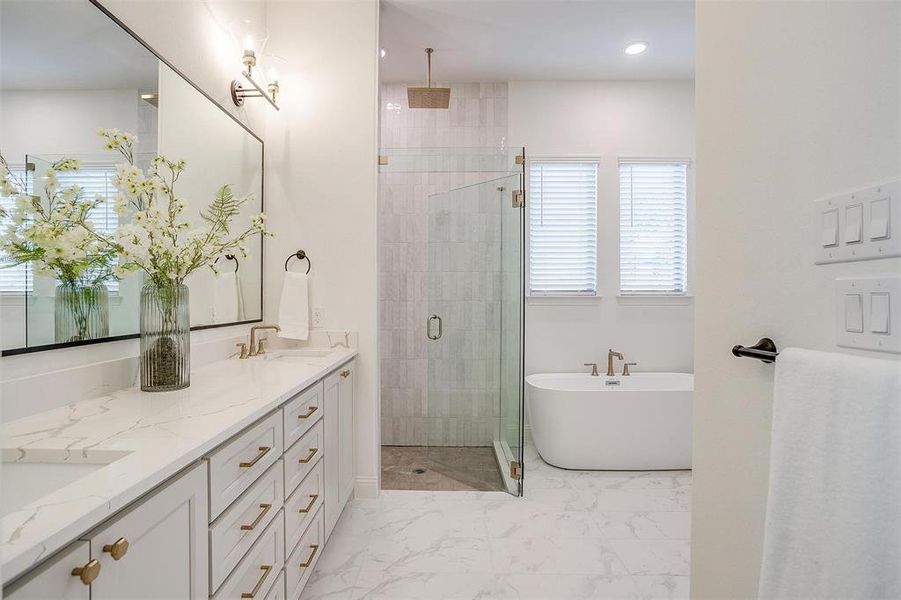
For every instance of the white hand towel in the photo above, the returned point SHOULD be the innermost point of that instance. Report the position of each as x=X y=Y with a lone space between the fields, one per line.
x=833 y=519
x=227 y=301
x=293 y=310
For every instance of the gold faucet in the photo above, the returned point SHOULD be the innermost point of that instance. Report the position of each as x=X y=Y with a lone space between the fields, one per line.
x=256 y=347
x=610 y=355
x=594 y=368
x=626 y=366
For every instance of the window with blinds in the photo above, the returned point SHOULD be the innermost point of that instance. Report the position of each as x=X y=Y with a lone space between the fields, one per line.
x=653 y=238
x=563 y=226
x=93 y=180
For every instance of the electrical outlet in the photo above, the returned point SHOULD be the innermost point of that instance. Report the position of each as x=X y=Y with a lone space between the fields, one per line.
x=317 y=316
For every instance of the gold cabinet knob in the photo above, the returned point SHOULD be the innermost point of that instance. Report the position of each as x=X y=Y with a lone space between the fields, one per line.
x=89 y=572
x=117 y=549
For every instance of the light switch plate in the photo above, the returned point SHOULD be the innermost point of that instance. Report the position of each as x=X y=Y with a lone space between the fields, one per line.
x=880 y=302
x=868 y=227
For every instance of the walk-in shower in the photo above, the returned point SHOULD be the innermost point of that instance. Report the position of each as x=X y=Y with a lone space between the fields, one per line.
x=451 y=266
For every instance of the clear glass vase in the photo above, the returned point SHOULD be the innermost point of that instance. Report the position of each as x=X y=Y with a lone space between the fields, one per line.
x=81 y=312
x=165 y=338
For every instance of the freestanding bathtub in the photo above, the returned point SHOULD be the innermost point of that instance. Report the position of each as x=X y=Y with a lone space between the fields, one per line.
x=643 y=423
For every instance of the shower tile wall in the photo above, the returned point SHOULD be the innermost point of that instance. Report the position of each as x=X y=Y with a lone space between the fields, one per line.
x=477 y=117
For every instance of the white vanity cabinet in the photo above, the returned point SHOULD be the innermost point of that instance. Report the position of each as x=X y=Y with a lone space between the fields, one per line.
x=55 y=578
x=158 y=548
x=339 y=442
x=249 y=520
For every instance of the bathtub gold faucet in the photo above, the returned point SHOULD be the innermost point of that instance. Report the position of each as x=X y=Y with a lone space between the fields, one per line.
x=594 y=368
x=610 y=354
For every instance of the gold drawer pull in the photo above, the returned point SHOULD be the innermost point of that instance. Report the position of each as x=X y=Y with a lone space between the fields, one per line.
x=117 y=549
x=313 y=498
x=89 y=572
x=259 y=518
x=310 y=412
x=345 y=373
x=266 y=570
x=309 y=457
x=309 y=560
x=263 y=450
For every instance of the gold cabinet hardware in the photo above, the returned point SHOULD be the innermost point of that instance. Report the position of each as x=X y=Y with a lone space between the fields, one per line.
x=259 y=518
x=309 y=560
x=313 y=498
x=309 y=457
x=117 y=549
x=252 y=593
x=309 y=413
x=262 y=451
x=89 y=572
x=345 y=372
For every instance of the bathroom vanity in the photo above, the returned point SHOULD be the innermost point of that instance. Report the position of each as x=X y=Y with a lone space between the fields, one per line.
x=228 y=489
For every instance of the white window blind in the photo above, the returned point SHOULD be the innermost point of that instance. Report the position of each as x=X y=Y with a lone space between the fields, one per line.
x=93 y=180
x=653 y=227
x=563 y=226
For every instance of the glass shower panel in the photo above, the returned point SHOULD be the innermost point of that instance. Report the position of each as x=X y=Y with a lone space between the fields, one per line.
x=473 y=324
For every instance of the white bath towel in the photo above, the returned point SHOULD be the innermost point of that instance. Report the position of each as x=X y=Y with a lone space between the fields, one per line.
x=228 y=304
x=293 y=310
x=833 y=519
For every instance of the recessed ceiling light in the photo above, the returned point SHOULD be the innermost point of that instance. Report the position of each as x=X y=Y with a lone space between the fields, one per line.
x=382 y=53
x=636 y=48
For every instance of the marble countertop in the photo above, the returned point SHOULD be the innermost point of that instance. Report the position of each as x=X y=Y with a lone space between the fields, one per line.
x=155 y=434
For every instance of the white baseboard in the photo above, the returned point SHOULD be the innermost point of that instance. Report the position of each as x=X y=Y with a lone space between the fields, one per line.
x=366 y=487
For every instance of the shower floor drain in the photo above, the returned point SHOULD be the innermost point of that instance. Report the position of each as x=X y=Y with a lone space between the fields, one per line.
x=419 y=471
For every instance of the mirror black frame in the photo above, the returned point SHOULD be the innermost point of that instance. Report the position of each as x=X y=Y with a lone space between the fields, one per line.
x=116 y=338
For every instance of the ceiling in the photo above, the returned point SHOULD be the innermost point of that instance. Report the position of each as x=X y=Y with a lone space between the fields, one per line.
x=502 y=40
x=65 y=45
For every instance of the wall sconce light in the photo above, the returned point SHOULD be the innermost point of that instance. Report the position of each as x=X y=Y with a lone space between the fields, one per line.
x=239 y=92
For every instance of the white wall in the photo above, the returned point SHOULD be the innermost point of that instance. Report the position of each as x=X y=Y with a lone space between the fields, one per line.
x=321 y=155
x=608 y=120
x=795 y=101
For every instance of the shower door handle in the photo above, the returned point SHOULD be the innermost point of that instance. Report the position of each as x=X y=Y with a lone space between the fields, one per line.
x=428 y=327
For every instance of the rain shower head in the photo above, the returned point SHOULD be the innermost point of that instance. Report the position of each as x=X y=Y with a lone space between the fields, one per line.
x=428 y=97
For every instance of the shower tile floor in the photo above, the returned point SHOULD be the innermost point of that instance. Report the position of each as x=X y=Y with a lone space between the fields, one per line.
x=575 y=535
x=439 y=468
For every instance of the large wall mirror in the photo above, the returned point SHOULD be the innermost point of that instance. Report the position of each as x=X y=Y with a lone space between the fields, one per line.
x=67 y=69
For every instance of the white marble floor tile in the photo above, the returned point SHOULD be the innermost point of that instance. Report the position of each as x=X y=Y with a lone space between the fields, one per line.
x=625 y=525
x=662 y=587
x=539 y=586
x=654 y=557
x=575 y=535
x=556 y=555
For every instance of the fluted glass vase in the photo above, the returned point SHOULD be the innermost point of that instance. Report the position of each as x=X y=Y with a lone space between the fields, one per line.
x=81 y=312
x=165 y=338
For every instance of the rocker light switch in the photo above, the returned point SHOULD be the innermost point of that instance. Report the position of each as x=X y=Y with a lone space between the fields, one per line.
x=880 y=217
x=864 y=307
x=853 y=224
x=863 y=224
x=853 y=313
x=879 y=312
x=830 y=228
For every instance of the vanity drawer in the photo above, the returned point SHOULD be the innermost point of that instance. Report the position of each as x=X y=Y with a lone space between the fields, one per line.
x=302 y=457
x=301 y=413
x=303 y=560
x=278 y=590
x=234 y=532
x=237 y=464
x=303 y=504
x=258 y=571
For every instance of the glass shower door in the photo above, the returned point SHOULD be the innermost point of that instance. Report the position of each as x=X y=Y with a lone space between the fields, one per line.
x=473 y=324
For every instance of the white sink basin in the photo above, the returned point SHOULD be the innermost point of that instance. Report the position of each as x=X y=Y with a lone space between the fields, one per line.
x=41 y=472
